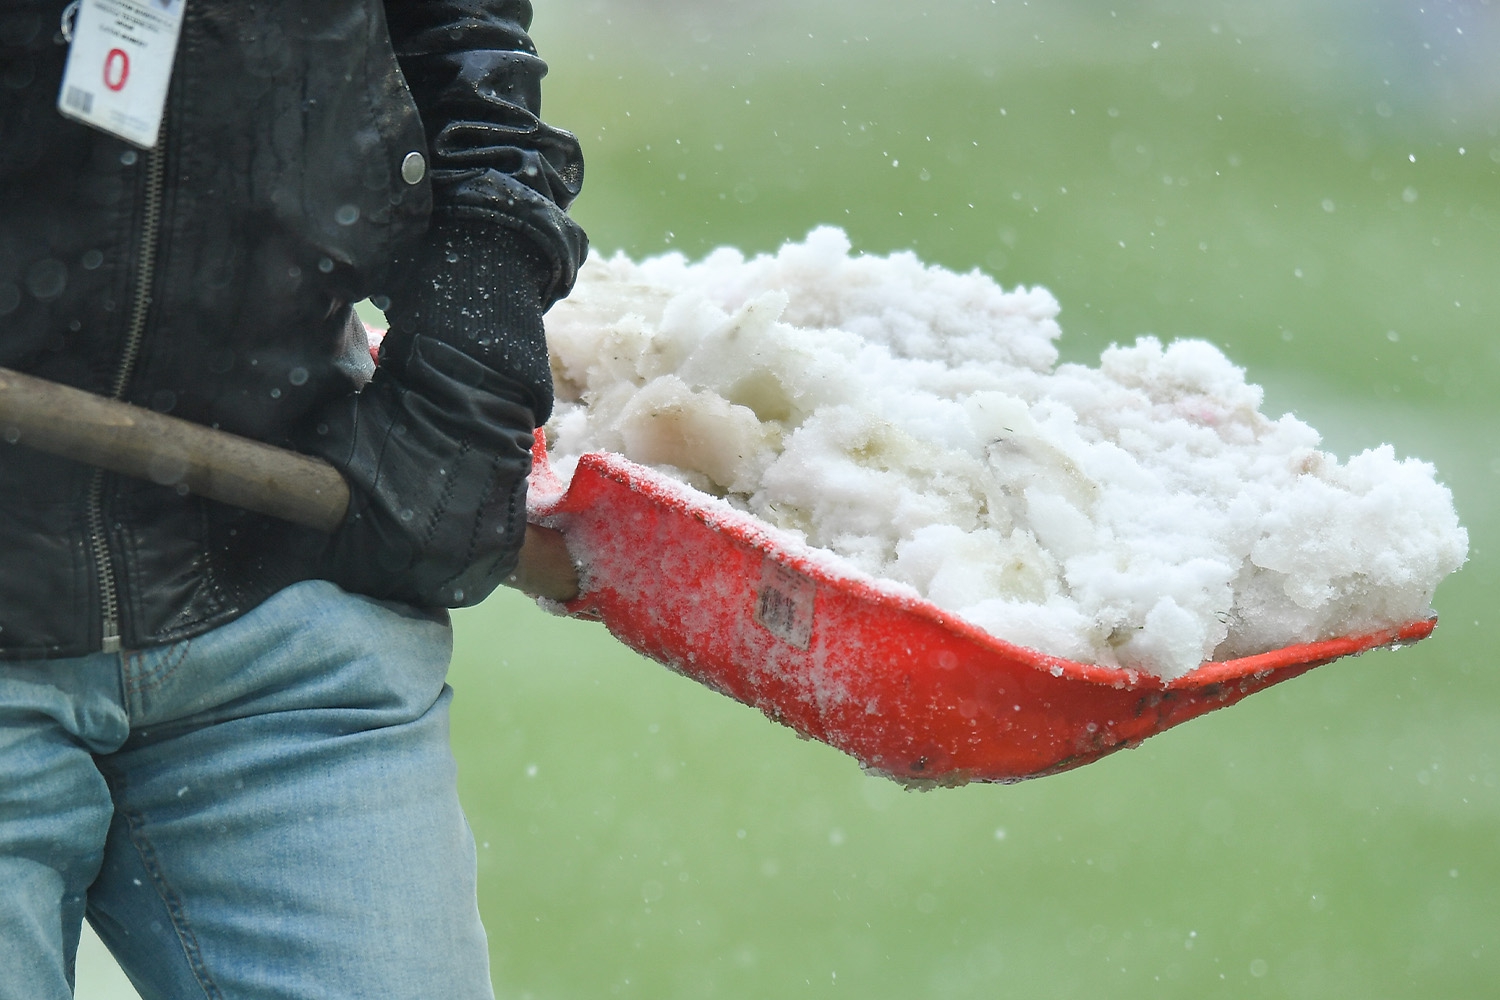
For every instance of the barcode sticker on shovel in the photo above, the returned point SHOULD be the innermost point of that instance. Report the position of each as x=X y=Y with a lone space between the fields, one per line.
x=784 y=604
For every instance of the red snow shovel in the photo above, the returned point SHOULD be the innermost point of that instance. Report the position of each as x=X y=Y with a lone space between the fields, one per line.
x=907 y=689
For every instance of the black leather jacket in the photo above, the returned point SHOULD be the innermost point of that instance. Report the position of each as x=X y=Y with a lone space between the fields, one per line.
x=312 y=154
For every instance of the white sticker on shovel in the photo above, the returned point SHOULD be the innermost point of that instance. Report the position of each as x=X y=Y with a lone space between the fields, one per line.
x=119 y=66
x=784 y=604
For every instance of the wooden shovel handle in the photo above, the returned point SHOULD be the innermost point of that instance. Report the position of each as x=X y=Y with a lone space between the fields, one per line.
x=79 y=425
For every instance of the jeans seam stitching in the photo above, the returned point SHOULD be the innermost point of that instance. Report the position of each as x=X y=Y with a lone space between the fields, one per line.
x=191 y=950
x=138 y=680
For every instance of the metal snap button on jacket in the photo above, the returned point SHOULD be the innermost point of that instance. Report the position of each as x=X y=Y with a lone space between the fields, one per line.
x=413 y=167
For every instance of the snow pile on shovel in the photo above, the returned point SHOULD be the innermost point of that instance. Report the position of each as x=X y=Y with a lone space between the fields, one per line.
x=914 y=423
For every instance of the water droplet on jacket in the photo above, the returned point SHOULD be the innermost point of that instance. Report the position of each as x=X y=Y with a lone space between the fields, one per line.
x=47 y=278
x=325 y=265
x=297 y=376
x=407 y=514
x=91 y=260
x=12 y=435
x=451 y=256
x=347 y=215
x=458 y=594
x=129 y=157
x=22 y=29
x=276 y=393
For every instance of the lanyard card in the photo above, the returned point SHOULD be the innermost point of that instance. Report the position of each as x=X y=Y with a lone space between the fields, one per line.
x=119 y=66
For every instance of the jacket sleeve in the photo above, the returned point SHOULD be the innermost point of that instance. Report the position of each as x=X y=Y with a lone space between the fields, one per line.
x=436 y=448
x=476 y=79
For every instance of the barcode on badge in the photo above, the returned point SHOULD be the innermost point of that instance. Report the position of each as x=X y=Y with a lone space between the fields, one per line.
x=79 y=100
x=784 y=604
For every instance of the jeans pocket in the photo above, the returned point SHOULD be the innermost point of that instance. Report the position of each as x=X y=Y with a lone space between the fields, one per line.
x=146 y=670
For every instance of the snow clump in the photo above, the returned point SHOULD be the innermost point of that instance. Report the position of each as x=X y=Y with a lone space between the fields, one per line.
x=915 y=424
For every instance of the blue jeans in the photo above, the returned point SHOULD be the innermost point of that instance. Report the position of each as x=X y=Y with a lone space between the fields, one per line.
x=265 y=811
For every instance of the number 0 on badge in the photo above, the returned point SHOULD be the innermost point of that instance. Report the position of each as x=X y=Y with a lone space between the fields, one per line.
x=120 y=65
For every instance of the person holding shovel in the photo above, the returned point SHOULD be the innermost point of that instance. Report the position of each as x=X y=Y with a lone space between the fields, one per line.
x=223 y=736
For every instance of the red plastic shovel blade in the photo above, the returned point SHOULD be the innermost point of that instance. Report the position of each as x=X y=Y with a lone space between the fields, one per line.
x=905 y=688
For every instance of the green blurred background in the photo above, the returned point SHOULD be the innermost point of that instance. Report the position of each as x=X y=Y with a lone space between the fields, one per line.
x=1313 y=187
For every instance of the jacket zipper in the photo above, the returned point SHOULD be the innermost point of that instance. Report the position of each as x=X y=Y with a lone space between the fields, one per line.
x=109 y=594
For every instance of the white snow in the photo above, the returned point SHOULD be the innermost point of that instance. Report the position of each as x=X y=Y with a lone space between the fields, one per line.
x=915 y=424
